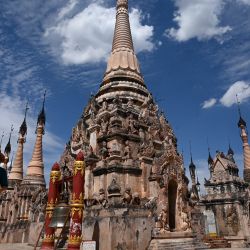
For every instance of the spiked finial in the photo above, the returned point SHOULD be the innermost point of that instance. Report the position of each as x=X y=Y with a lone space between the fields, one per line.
x=190 y=150
x=210 y=159
x=241 y=122
x=122 y=3
x=42 y=117
x=7 y=149
x=230 y=153
x=23 y=128
x=192 y=167
x=230 y=150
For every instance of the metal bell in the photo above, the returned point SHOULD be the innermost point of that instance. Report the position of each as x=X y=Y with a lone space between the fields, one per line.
x=60 y=216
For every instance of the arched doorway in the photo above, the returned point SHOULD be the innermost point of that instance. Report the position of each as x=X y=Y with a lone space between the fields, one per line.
x=172 y=193
x=96 y=235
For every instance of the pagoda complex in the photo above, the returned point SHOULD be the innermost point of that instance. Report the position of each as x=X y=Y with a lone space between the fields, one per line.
x=227 y=197
x=22 y=204
x=135 y=187
x=121 y=182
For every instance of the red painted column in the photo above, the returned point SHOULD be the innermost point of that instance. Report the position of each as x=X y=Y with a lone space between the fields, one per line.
x=76 y=215
x=53 y=196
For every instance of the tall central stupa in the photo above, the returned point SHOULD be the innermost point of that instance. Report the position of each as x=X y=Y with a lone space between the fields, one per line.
x=135 y=184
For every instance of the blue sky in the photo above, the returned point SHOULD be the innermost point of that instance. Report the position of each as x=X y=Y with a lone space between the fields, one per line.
x=194 y=55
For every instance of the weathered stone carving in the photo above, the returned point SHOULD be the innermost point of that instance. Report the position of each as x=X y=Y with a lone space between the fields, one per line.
x=127 y=197
x=114 y=188
x=136 y=199
x=163 y=219
x=131 y=125
x=186 y=224
x=104 y=152
x=127 y=151
x=104 y=105
x=102 y=198
x=104 y=127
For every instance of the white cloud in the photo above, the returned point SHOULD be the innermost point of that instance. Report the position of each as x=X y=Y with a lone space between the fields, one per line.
x=240 y=88
x=209 y=103
x=67 y=9
x=198 y=19
x=87 y=36
x=244 y=1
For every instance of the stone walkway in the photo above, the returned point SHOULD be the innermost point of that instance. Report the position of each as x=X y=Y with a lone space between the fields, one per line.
x=26 y=247
x=16 y=247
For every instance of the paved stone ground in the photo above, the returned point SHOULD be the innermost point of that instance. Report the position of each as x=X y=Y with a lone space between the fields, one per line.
x=26 y=247
x=16 y=247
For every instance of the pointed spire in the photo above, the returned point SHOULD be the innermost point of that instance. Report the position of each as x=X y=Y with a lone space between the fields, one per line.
x=192 y=167
x=16 y=173
x=122 y=35
x=35 y=170
x=210 y=158
x=7 y=149
x=230 y=153
x=241 y=122
x=123 y=61
x=41 y=120
x=123 y=77
x=23 y=128
x=230 y=150
x=246 y=148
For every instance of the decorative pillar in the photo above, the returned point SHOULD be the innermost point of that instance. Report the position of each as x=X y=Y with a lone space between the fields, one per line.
x=16 y=174
x=76 y=215
x=53 y=195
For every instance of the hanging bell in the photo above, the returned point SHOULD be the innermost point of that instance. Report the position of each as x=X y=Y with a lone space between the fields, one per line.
x=60 y=216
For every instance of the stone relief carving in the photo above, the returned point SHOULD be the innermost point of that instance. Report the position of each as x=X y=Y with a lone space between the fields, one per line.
x=104 y=152
x=127 y=151
x=127 y=197
x=136 y=199
x=163 y=219
x=102 y=198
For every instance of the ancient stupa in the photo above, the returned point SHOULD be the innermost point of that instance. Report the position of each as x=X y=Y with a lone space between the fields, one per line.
x=135 y=184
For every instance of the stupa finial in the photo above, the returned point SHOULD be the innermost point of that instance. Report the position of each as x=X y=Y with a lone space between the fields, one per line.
x=122 y=35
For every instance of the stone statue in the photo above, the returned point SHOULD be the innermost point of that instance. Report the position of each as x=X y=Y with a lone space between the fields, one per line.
x=95 y=200
x=130 y=103
x=104 y=105
x=136 y=199
x=142 y=134
x=104 y=127
x=127 y=151
x=104 y=151
x=127 y=197
x=93 y=105
x=102 y=199
x=131 y=127
x=186 y=225
x=163 y=219
x=76 y=143
x=65 y=170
